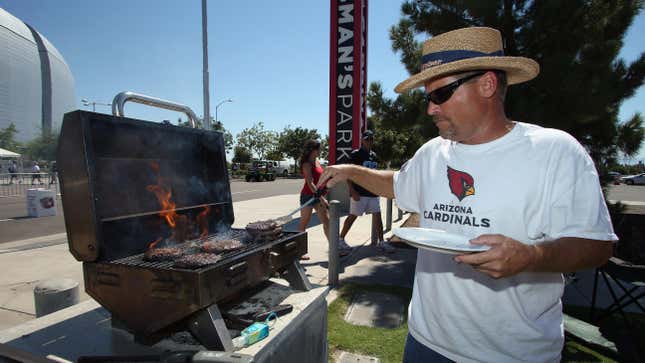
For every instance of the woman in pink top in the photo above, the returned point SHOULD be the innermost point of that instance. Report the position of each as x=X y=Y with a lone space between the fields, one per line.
x=311 y=171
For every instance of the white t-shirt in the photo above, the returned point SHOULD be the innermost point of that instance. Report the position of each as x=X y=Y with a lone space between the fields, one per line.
x=533 y=184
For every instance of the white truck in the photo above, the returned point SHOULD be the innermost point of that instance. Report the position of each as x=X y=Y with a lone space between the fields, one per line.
x=279 y=167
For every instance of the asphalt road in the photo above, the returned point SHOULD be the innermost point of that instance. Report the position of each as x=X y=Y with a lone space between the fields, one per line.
x=16 y=225
x=634 y=193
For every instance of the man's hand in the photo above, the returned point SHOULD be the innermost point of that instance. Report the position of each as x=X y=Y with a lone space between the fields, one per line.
x=506 y=257
x=335 y=174
x=354 y=194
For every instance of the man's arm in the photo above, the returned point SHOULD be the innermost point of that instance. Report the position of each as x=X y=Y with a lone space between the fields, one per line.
x=508 y=257
x=379 y=182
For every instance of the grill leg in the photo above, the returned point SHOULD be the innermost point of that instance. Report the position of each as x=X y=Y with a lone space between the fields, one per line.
x=209 y=328
x=297 y=277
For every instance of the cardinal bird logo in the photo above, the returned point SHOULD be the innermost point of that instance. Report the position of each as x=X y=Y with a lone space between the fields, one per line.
x=461 y=183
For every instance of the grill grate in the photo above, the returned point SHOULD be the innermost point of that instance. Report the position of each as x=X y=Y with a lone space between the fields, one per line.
x=194 y=247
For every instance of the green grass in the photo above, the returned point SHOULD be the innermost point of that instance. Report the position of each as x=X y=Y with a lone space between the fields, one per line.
x=574 y=352
x=387 y=344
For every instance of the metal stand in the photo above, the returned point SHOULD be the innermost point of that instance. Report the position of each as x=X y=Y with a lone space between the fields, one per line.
x=334 y=227
x=374 y=233
x=388 y=215
x=297 y=277
x=209 y=328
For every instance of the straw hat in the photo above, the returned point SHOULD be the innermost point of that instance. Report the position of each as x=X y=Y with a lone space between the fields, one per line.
x=468 y=49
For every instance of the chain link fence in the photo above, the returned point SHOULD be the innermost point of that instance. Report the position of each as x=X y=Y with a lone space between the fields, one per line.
x=16 y=184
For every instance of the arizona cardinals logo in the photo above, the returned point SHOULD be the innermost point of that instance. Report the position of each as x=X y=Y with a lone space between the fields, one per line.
x=461 y=183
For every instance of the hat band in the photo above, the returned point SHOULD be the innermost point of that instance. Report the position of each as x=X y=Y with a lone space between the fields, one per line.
x=434 y=59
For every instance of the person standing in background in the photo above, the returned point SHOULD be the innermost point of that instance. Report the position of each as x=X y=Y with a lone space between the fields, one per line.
x=35 y=174
x=311 y=171
x=362 y=201
x=13 y=170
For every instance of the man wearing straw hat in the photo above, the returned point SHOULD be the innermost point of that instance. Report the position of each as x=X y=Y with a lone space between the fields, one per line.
x=529 y=194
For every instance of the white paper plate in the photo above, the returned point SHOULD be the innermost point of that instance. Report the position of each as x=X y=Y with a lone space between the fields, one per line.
x=437 y=240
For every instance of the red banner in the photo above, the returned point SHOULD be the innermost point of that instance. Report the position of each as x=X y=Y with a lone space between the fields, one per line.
x=348 y=78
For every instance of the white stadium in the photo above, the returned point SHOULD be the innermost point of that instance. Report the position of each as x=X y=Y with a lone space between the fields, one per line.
x=36 y=85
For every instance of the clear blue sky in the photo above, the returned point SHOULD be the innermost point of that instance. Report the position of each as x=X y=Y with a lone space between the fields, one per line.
x=270 y=57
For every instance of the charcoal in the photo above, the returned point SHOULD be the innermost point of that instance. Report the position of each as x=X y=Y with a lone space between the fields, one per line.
x=162 y=254
x=197 y=260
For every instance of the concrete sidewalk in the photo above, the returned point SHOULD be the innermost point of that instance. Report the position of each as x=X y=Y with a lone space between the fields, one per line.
x=25 y=263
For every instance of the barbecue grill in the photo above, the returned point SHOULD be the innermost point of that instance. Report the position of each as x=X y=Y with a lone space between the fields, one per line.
x=128 y=185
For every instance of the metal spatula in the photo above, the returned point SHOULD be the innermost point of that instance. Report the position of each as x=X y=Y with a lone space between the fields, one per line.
x=287 y=218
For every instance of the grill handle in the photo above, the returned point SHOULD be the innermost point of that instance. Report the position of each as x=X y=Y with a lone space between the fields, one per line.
x=119 y=102
x=236 y=274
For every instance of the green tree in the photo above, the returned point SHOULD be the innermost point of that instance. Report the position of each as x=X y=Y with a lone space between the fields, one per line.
x=257 y=140
x=324 y=148
x=630 y=135
x=291 y=141
x=582 y=82
x=402 y=125
x=241 y=155
x=7 y=138
x=217 y=126
x=275 y=154
x=42 y=147
x=228 y=137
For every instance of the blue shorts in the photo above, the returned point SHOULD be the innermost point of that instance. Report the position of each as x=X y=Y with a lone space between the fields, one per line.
x=304 y=198
x=416 y=352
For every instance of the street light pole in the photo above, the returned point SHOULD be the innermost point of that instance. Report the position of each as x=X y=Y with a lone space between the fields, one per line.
x=207 y=115
x=219 y=104
x=94 y=103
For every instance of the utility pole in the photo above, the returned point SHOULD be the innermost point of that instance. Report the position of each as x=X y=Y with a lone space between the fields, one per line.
x=207 y=115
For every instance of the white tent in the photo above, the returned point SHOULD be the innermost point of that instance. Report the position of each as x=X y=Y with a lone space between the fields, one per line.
x=8 y=154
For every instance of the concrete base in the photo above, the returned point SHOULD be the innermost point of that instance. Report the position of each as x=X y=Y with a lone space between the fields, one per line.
x=346 y=357
x=55 y=294
x=86 y=329
x=303 y=339
x=375 y=309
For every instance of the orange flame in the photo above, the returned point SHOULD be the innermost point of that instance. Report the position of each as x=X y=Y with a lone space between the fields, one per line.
x=178 y=223
x=153 y=244
x=164 y=194
x=202 y=221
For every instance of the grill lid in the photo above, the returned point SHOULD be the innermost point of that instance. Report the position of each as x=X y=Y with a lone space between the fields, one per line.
x=126 y=183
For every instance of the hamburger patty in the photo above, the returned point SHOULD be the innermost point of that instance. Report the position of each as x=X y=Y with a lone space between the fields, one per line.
x=226 y=245
x=197 y=260
x=262 y=226
x=264 y=230
x=162 y=254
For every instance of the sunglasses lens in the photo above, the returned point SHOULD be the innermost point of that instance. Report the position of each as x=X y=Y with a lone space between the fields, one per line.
x=440 y=95
x=443 y=94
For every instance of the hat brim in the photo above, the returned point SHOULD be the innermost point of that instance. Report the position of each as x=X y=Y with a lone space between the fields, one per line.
x=518 y=70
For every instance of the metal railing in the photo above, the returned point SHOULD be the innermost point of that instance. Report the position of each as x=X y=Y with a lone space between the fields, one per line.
x=16 y=184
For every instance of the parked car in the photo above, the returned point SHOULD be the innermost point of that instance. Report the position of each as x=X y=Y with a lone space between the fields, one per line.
x=279 y=167
x=260 y=170
x=633 y=179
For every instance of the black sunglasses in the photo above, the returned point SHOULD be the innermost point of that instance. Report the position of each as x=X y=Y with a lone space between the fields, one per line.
x=443 y=94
